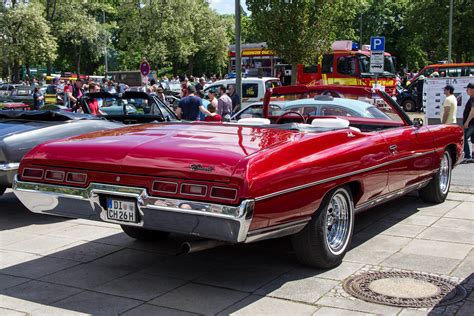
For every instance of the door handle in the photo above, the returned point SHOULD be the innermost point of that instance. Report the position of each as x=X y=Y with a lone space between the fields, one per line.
x=393 y=148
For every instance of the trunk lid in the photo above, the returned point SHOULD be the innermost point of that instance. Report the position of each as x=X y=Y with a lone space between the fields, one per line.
x=185 y=150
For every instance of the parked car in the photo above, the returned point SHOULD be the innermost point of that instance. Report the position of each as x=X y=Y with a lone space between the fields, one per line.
x=323 y=105
x=18 y=106
x=23 y=94
x=130 y=106
x=258 y=178
x=410 y=97
x=20 y=131
x=6 y=91
x=30 y=128
x=253 y=89
x=256 y=110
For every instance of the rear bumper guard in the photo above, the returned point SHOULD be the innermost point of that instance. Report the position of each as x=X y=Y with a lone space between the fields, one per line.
x=208 y=220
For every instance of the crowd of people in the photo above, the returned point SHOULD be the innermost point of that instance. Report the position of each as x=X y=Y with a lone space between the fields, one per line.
x=192 y=104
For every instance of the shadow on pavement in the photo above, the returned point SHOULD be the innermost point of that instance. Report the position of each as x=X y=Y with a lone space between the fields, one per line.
x=440 y=309
x=113 y=273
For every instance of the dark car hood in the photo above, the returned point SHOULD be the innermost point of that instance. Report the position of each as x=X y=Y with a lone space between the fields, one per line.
x=44 y=115
x=12 y=126
x=17 y=137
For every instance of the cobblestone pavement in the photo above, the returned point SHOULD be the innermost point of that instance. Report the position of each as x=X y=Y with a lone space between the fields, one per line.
x=54 y=266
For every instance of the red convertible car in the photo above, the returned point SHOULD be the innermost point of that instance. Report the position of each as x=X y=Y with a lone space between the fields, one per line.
x=293 y=174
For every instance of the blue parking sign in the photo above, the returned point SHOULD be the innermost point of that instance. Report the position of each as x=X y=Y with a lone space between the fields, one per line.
x=377 y=43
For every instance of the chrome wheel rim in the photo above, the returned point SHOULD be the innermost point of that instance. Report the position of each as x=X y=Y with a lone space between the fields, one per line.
x=444 y=174
x=338 y=223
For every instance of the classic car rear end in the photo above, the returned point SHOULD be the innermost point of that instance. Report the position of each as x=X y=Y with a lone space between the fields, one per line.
x=235 y=182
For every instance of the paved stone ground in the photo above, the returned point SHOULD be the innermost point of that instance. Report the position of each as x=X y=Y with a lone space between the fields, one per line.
x=463 y=178
x=54 y=266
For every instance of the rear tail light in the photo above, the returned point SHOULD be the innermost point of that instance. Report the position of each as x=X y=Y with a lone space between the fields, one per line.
x=74 y=177
x=223 y=193
x=165 y=187
x=54 y=175
x=32 y=173
x=193 y=189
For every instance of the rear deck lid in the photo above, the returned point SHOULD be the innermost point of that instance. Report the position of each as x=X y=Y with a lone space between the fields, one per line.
x=193 y=150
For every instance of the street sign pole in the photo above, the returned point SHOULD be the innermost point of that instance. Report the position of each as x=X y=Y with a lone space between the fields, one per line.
x=238 y=57
x=377 y=51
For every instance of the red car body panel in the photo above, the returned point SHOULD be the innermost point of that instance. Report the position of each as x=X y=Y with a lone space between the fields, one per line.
x=286 y=172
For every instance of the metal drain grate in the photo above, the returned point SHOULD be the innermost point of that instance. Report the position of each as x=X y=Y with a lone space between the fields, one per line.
x=404 y=289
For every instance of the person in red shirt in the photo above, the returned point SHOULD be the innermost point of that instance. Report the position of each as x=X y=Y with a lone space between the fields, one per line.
x=216 y=118
x=93 y=103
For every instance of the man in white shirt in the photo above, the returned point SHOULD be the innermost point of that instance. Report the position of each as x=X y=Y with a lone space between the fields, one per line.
x=449 y=110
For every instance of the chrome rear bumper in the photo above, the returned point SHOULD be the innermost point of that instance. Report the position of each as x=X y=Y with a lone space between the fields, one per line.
x=214 y=221
x=7 y=173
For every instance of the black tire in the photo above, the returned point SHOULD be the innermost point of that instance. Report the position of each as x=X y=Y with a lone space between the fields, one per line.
x=311 y=245
x=2 y=190
x=438 y=188
x=144 y=234
x=409 y=105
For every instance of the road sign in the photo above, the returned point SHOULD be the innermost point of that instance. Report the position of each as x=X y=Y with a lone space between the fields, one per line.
x=145 y=68
x=376 y=62
x=377 y=43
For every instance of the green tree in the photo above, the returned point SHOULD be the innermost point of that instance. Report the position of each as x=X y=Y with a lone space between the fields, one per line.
x=427 y=24
x=298 y=30
x=26 y=36
x=182 y=34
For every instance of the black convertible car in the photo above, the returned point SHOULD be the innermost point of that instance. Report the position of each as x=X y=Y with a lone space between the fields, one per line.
x=20 y=131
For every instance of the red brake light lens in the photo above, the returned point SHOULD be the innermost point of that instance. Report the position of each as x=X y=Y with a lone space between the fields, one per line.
x=54 y=175
x=194 y=189
x=74 y=177
x=33 y=173
x=165 y=187
x=223 y=193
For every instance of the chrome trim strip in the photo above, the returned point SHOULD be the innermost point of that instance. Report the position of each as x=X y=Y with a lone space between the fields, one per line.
x=389 y=196
x=277 y=231
x=30 y=192
x=308 y=185
x=11 y=166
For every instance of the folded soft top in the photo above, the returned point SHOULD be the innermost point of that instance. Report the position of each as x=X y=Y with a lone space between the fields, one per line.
x=45 y=115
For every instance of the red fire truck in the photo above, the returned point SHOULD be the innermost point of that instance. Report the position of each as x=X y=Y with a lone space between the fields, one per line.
x=348 y=65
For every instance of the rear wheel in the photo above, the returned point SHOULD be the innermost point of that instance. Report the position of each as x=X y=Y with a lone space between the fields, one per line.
x=409 y=106
x=325 y=240
x=144 y=234
x=437 y=189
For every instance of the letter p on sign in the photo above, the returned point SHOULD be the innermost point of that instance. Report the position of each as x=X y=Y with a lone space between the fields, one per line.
x=377 y=43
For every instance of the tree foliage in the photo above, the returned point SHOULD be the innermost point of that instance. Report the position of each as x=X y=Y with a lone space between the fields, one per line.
x=298 y=31
x=26 y=36
x=187 y=36
x=180 y=33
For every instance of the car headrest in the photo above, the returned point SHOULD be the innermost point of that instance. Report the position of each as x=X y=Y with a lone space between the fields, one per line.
x=254 y=121
x=330 y=123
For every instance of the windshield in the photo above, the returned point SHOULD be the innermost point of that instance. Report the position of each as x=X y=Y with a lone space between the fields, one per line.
x=131 y=106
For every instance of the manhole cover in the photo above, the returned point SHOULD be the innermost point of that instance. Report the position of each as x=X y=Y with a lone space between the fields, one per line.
x=404 y=289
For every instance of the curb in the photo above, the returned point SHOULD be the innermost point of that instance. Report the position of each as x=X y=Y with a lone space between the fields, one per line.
x=461 y=189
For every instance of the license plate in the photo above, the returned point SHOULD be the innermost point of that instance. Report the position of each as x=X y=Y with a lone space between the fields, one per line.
x=121 y=210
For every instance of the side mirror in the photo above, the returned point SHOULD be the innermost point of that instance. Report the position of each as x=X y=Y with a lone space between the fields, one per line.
x=418 y=122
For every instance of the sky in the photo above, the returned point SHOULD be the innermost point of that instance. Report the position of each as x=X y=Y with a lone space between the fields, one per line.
x=226 y=6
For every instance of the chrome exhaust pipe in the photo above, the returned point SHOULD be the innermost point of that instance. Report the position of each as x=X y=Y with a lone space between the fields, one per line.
x=199 y=245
